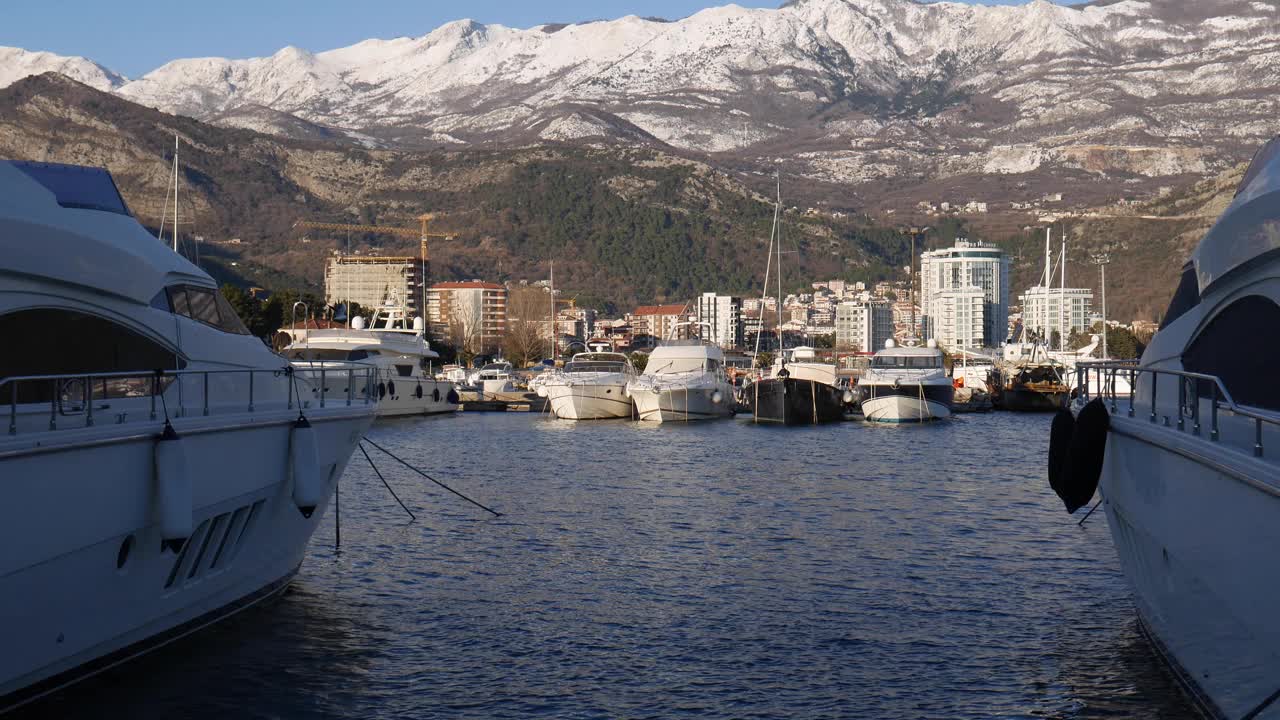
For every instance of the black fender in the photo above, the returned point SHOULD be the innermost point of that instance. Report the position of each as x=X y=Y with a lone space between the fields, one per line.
x=418 y=391
x=435 y=394
x=453 y=397
x=1088 y=450
x=1064 y=424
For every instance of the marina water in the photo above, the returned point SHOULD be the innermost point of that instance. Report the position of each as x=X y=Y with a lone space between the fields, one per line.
x=700 y=570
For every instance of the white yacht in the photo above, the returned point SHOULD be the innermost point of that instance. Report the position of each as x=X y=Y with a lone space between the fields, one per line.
x=906 y=385
x=494 y=378
x=162 y=468
x=406 y=382
x=591 y=386
x=683 y=380
x=1190 y=473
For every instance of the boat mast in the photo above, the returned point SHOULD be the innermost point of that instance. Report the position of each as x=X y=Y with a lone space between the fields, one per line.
x=1063 y=315
x=768 y=266
x=782 y=356
x=554 y=344
x=175 y=192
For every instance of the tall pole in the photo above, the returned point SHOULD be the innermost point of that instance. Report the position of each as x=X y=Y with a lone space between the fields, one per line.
x=1102 y=261
x=554 y=344
x=912 y=270
x=175 y=192
x=777 y=210
x=1063 y=315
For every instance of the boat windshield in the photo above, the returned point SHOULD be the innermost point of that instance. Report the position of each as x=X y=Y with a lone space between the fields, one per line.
x=584 y=366
x=910 y=362
x=672 y=366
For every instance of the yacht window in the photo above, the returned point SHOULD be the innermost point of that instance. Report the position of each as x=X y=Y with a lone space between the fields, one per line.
x=325 y=354
x=358 y=354
x=912 y=362
x=404 y=370
x=593 y=366
x=72 y=342
x=1247 y=370
x=1185 y=297
x=204 y=305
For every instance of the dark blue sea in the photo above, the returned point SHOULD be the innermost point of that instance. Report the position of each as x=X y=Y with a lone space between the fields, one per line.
x=718 y=570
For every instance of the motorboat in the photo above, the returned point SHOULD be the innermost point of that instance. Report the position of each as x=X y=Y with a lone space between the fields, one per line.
x=1188 y=460
x=684 y=380
x=1038 y=383
x=493 y=378
x=906 y=385
x=591 y=386
x=163 y=469
x=406 y=383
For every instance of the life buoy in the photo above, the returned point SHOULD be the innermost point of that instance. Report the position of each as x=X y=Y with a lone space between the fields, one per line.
x=304 y=467
x=173 y=491
x=1077 y=448
x=435 y=394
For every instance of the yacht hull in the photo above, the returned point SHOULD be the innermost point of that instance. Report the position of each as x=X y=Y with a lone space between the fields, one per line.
x=249 y=539
x=1027 y=400
x=400 y=398
x=679 y=405
x=590 y=401
x=1195 y=535
x=907 y=403
x=788 y=401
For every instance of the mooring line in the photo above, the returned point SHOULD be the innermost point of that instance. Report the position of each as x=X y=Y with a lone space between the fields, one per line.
x=446 y=487
x=1086 y=516
x=384 y=481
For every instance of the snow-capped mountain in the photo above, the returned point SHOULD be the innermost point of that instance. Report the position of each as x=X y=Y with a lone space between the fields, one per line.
x=846 y=90
x=16 y=63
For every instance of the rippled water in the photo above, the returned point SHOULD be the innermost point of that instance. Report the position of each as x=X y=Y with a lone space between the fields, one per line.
x=711 y=570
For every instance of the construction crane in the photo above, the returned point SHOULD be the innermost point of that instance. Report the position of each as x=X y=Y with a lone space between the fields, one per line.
x=422 y=234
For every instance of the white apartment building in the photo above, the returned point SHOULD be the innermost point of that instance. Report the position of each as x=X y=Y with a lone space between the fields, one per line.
x=959 y=268
x=1045 y=310
x=960 y=318
x=864 y=325
x=723 y=315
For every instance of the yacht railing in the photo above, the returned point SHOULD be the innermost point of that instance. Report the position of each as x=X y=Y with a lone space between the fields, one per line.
x=1192 y=389
x=74 y=394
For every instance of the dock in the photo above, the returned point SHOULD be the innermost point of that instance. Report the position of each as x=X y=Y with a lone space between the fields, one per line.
x=476 y=401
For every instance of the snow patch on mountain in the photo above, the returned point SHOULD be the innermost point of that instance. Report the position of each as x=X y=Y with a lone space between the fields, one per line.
x=16 y=64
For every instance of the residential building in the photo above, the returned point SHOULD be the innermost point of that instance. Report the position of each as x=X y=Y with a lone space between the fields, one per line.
x=651 y=324
x=723 y=317
x=960 y=318
x=864 y=325
x=1046 y=310
x=961 y=267
x=469 y=315
x=374 y=281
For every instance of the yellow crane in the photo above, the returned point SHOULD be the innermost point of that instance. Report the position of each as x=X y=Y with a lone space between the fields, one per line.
x=422 y=234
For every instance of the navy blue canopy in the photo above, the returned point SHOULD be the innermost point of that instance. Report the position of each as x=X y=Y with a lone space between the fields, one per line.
x=75 y=186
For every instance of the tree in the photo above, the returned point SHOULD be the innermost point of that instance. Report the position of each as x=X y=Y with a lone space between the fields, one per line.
x=639 y=361
x=246 y=306
x=1122 y=344
x=526 y=339
x=764 y=359
x=825 y=342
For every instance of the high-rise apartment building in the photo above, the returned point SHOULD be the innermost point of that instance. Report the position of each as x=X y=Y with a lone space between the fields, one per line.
x=1049 y=310
x=864 y=325
x=723 y=317
x=964 y=266
x=469 y=315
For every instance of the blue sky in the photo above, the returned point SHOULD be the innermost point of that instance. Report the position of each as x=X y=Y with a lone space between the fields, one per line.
x=140 y=35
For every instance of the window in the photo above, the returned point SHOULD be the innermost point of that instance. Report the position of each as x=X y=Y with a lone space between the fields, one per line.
x=66 y=342
x=1185 y=297
x=1239 y=347
x=201 y=304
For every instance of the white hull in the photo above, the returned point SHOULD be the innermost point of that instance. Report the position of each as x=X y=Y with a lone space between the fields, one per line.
x=406 y=402
x=903 y=409
x=595 y=401
x=1196 y=535
x=676 y=405
x=248 y=541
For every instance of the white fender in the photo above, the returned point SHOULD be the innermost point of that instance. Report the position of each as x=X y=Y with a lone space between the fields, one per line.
x=716 y=397
x=305 y=467
x=174 y=508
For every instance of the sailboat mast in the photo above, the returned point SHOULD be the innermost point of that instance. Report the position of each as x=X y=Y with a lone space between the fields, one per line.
x=777 y=210
x=554 y=344
x=1063 y=316
x=175 y=192
x=768 y=266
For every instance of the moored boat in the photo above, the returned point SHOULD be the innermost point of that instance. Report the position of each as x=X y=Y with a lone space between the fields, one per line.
x=1187 y=460
x=684 y=380
x=591 y=386
x=906 y=385
x=163 y=469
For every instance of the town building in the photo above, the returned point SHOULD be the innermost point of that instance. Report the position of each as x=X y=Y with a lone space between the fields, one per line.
x=650 y=324
x=960 y=318
x=863 y=325
x=722 y=315
x=469 y=315
x=964 y=266
x=1049 y=310
x=373 y=282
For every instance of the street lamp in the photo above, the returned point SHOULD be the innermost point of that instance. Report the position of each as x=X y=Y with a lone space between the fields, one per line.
x=1102 y=260
x=914 y=232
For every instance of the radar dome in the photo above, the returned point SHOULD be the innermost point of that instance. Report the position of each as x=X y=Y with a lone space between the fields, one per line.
x=932 y=344
x=357 y=322
x=419 y=324
x=890 y=344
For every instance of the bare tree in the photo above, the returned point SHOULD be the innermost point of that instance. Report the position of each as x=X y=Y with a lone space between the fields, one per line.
x=465 y=332
x=528 y=322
